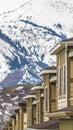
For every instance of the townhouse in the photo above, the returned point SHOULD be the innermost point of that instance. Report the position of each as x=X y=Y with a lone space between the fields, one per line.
x=31 y=109
x=49 y=106
x=58 y=90
x=49 y=85
x=39 y=93
x=22 y=115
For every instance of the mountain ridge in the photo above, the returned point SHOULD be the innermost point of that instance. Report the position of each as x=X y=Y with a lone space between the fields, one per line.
x=29 y=40
x=26 y=36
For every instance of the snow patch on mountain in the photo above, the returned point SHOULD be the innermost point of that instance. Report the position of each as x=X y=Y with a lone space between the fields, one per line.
x=27 y=34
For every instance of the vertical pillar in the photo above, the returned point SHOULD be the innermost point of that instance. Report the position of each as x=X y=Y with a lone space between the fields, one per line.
x=13 y=122
x=17 y=121
x=21 y=116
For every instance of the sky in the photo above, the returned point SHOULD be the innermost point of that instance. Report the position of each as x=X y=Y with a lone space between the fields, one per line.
x=7 y=5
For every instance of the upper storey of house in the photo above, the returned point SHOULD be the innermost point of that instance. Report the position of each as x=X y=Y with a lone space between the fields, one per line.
x=64 y=52
x=49 y=75
x=49 y=84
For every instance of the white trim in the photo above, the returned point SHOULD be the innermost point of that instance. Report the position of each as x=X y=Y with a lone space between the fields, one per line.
x=34 y=102
x=60 y=45
x=55 y=48
x=29 y=96
x=66 y=74
x=43 y=84
x=37 y=88
x=42 y=95
x=48 y=71
x=70 y=54
x=54 y=78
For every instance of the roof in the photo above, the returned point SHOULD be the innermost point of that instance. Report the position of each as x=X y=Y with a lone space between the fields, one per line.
x=51 y=124
x=64 y=112
x=37 y=88
x=49 y=70
x=29 y=96
x=61 y=45
x=69 y=39
x=66 y=109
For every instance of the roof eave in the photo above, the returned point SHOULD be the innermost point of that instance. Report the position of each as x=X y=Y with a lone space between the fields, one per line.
x=37 y=88
x=29 y=96
x=60 y=46
x=60 y=114
x=43 y=72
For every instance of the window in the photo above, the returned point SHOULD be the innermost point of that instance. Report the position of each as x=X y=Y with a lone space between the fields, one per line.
x=59 y=81
x=64 y=79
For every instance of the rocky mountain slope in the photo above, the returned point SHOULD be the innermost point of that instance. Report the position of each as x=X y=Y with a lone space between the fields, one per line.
x=26 y=36
x=9 y=98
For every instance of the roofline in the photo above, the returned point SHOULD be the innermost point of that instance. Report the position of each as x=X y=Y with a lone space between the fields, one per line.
x=60 y=114
x=36 y=129
x=59 y=45
x=37 y=88
x=51 y=71
x=29 y=96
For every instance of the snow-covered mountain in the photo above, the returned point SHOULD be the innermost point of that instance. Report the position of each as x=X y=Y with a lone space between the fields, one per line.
x=26 y=36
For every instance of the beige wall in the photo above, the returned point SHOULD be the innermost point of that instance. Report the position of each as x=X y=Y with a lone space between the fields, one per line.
x=21 y=117
x=66 y=125
x=53 y=97
x=29 y=112
x=33 y=114
x=17 y=121
x=39 y=106
x=70 y=77
x=61 y=61
x=25 y=121
x=13 y=124
x=46 y=93
x=63 y=58
x=50 y=96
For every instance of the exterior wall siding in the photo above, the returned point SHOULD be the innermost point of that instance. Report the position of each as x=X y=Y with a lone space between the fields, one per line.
x=70 y=77
x=29 y=111
x=62 y=98
x=46 y=96
x=66 y=125
x=13 y=124
x=34 y=114
x=21 y=117
x=25 y=121
x=17 y=121
x=53 y=98
x=39 y=107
